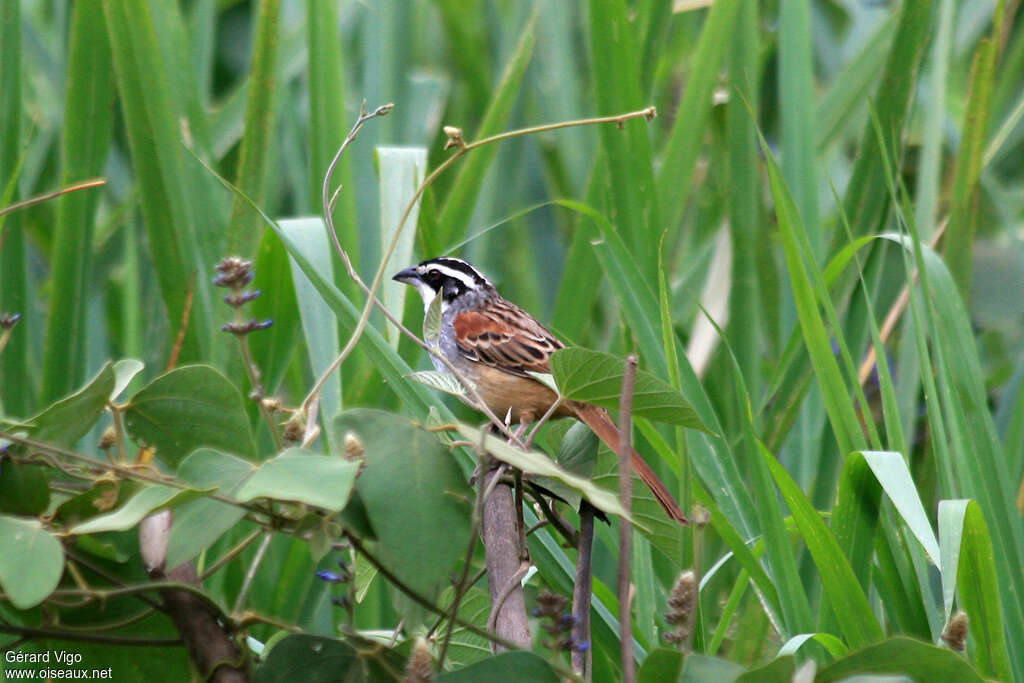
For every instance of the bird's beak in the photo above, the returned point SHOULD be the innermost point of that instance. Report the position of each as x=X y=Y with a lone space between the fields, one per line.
x=409 y=276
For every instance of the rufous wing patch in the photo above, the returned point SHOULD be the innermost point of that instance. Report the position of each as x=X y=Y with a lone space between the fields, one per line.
x=506 y=338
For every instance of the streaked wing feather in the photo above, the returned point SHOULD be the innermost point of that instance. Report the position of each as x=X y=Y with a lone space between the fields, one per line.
x=506 y=337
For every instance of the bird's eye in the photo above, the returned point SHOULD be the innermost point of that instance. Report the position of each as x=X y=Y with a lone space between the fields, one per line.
x=433 y=274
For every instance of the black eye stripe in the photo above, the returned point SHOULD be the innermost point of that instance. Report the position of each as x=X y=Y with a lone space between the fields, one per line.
x=456 y=268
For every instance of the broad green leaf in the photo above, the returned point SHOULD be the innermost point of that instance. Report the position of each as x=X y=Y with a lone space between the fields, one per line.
x=781 y=670
x=595 y=377
x=302 y=657
x=71 y=418
x=661 y=664
x=31 y=561
x=698 y=668
x=920 y=661
x=24 y=488
x=468 y=647
x=186 y=408
x=125 y=371
x=300 y=476
x=415 y=496
x=507 y=667
x=892 y=473
x=646 y=513
x=144 y=503
x=534 y=462
x=199 y=523
x=442 y=381
x=103 y=496
x=401 y=171
x=545 y=378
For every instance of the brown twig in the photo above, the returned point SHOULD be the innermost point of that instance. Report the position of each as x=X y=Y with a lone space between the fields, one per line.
x=32 y=201
x=625 y=529
x=179 y=341
x=86 y=637
x=582 y=658
x=502 y=550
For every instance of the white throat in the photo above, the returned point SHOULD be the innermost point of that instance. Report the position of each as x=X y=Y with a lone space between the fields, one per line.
x=427 y=294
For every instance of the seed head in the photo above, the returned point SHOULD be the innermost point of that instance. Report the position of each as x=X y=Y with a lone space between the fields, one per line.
x=955 y=633
x=235 y=272
x=420 y=668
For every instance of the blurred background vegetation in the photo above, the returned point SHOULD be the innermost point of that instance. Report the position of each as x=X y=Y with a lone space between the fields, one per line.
x=887 y=118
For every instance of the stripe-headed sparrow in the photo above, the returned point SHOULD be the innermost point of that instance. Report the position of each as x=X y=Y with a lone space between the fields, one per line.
x=494 y=344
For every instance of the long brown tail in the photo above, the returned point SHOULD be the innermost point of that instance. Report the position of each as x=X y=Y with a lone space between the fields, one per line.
x=601 y=424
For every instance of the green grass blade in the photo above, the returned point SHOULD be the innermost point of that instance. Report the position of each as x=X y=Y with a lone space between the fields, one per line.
x=254 y=155
x=796 y=100
x=309 y=235
x=273 y=349
x=614 y=63
x=744 y=207
x=711 y=455
x=84 y=147
x=834 y=392
x=980 y=596
x=675 y=179
x=973 y=461
x=866 y=198
x=401 y=171
x=853 y=84
x=458 y=205
x=14 y=365
x=153 y=125
x=951 y=529
x=855 y=516
x=327 y=123
x=796 y=609
x=930 y=169
x=894 y=476
x=963 y=210
x=847 y=599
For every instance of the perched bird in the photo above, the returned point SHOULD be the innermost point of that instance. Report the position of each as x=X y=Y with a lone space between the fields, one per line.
x=495 y=344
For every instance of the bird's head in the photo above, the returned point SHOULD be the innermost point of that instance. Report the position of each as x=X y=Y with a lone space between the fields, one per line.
x=450 y=277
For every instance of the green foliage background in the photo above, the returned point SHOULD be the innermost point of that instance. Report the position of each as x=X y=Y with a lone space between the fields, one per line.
x=806 y=158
